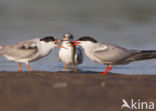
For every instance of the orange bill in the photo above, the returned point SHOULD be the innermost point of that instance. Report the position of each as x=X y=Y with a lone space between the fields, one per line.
x=61 y=46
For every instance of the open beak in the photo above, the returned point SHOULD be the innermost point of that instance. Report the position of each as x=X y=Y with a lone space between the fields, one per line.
x=74 y=43
x=59 y=41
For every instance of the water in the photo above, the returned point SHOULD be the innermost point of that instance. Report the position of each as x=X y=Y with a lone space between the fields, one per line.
x=128 y=23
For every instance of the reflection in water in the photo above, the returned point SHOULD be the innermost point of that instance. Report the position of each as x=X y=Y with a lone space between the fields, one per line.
x=129 y=23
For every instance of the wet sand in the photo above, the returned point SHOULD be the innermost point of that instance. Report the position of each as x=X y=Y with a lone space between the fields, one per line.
x=65 y=91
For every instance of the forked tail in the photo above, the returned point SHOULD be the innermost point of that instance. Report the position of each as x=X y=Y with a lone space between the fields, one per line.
x=142 y=55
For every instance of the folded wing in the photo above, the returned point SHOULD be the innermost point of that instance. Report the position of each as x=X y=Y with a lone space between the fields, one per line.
x=21 y=50
x=111 y=54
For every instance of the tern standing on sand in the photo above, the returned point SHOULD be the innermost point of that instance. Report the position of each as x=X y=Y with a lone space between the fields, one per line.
x=29 y=51
x=110 y=55
x=71 y=55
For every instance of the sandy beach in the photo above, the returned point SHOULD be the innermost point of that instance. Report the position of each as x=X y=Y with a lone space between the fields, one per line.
x=66 y=91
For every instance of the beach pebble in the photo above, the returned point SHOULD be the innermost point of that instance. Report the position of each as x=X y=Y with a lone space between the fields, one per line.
x=103 y=84
x=60 y=85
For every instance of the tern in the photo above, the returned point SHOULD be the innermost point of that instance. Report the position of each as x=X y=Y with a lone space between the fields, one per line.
x=29 y=51
x=71 y=55
x=111 y=55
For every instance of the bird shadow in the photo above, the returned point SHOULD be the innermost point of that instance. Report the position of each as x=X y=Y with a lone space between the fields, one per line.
x=79 y=71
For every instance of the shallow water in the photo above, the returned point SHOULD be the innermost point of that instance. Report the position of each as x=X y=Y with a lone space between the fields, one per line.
x=130 y=23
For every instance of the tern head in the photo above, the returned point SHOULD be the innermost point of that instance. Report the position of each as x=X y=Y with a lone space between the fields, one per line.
x=83 y=41
x=68 y=37
x=51 y=41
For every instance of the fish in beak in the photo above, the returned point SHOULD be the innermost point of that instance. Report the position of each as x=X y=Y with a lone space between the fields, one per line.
x=74 y=43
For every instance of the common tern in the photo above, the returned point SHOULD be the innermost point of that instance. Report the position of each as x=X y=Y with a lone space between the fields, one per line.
x=110 y=55
x=29 y=51
x=71 y=55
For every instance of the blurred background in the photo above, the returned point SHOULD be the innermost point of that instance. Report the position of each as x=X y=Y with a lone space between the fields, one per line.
x=127 y=23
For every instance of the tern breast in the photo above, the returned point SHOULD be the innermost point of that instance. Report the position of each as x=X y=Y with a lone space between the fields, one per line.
x=71 y=55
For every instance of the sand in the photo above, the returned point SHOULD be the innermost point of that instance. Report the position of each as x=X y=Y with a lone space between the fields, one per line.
x=65 y=91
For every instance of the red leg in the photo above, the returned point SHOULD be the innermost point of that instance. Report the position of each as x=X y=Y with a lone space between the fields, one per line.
x=20 y=67
x=106 y=70
x=109 y=68
x=29 y=67
x=65 y=66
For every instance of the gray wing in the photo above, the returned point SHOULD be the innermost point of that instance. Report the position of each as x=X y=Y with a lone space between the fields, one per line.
x=111 y=54
x=21 y=50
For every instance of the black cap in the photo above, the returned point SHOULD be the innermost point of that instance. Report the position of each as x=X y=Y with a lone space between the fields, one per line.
x=87 y=39
x=48 y=39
